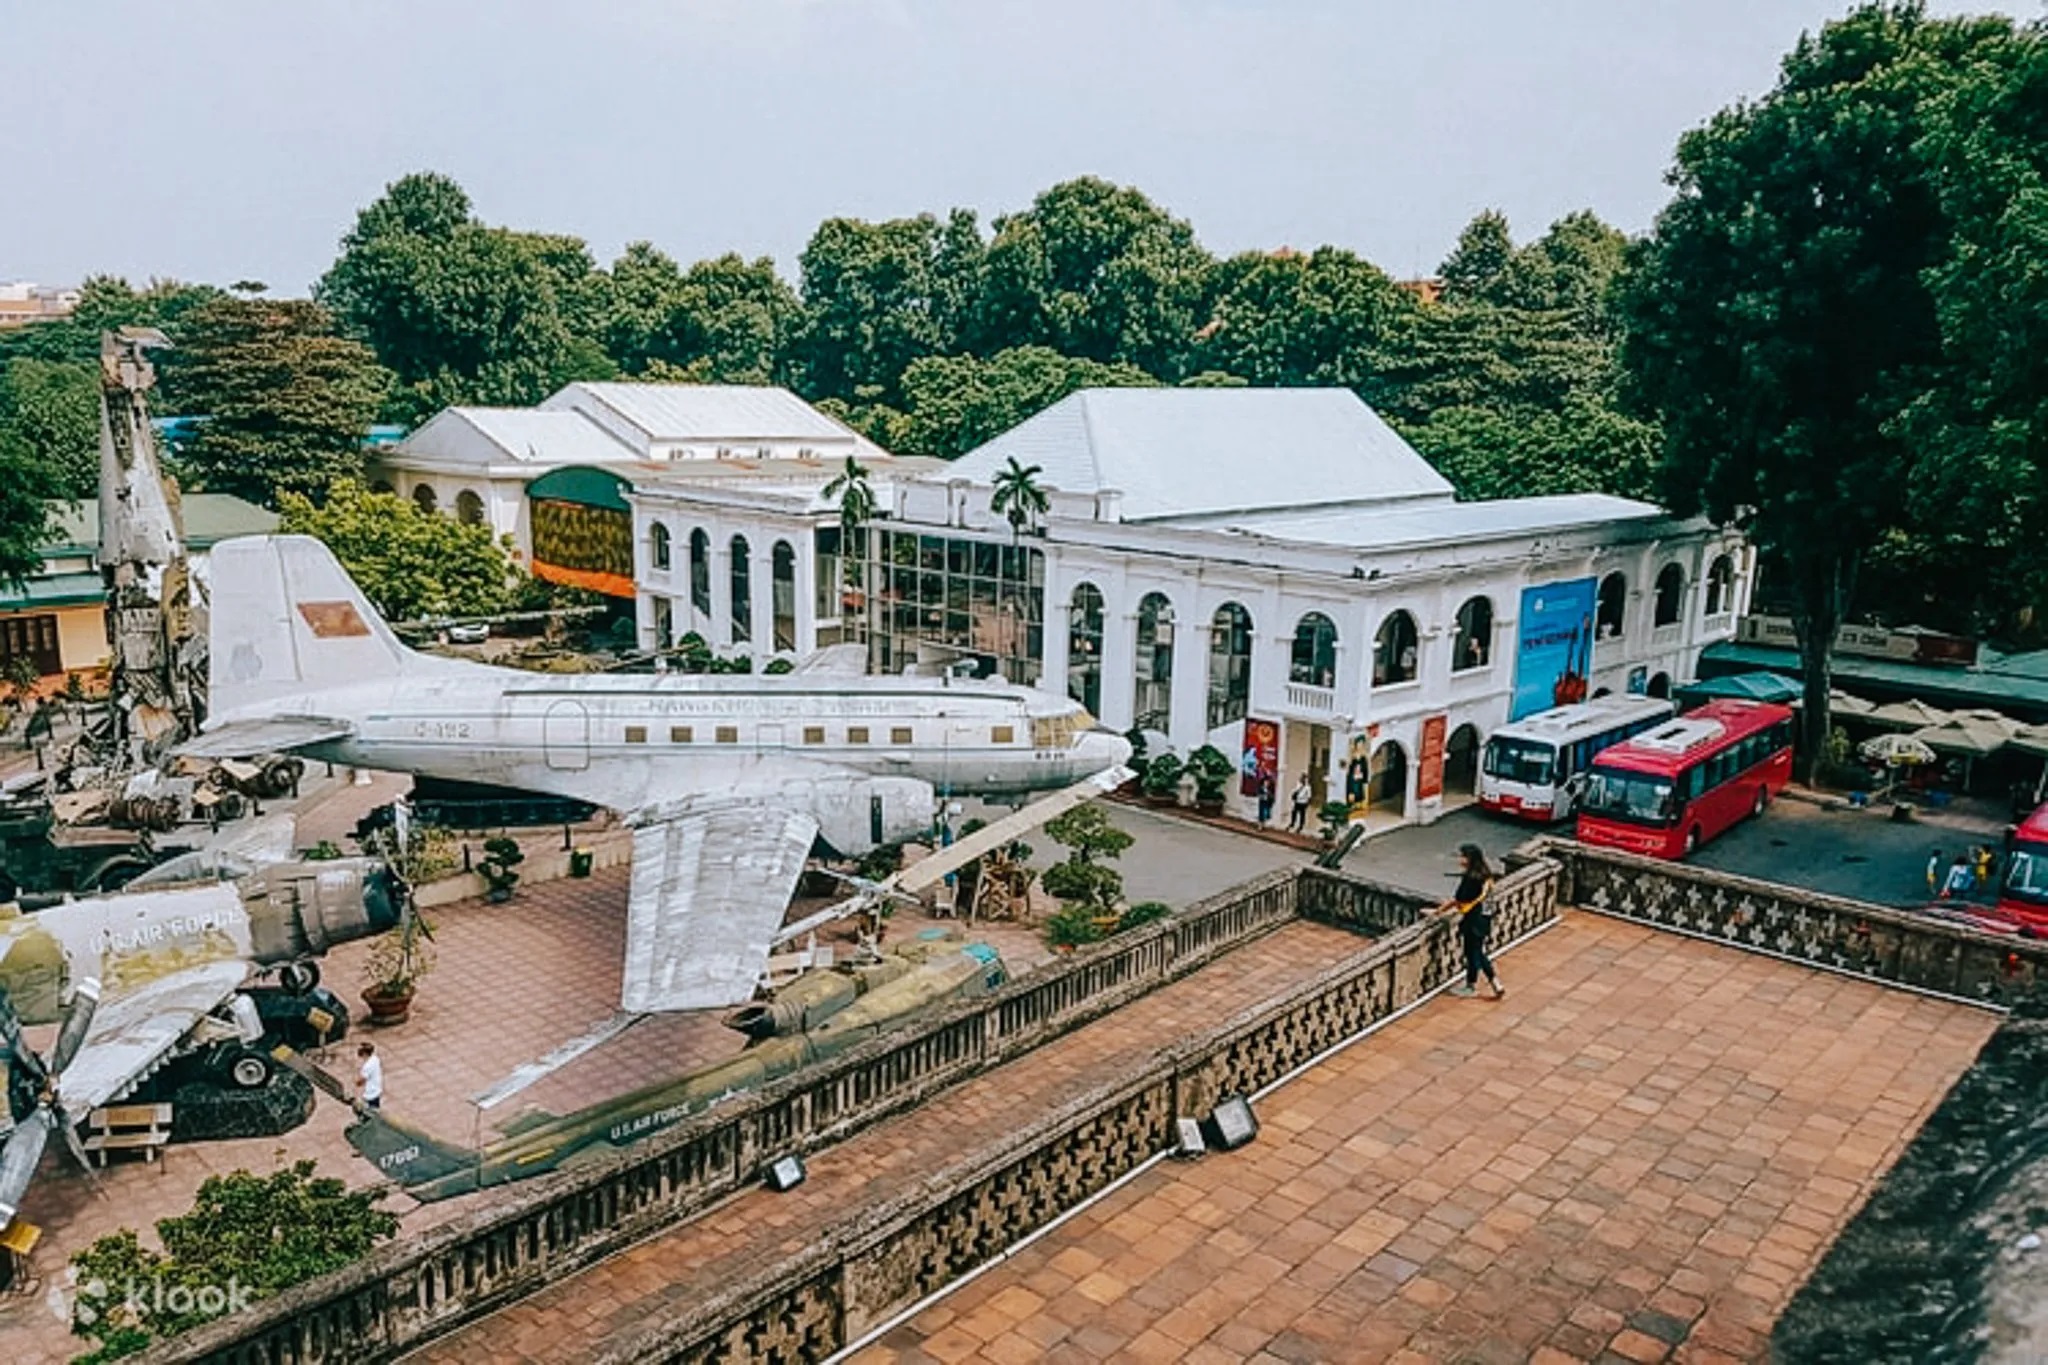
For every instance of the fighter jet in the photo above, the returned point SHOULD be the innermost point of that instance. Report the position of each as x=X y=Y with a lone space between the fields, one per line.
x=136 y=979
x=728 y=781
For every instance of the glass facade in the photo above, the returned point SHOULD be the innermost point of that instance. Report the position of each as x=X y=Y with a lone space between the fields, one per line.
x=944 y=598
x=1084 y=647
x=742 y=580
x=1230 y=664
x=782 y=570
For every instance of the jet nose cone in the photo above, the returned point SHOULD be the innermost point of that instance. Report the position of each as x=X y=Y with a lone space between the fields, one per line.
x=1102 y=750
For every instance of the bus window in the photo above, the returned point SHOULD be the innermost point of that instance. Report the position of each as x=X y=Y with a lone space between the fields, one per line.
x=1519 y=760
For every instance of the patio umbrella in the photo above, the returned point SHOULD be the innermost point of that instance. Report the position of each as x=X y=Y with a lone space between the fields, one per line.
x=1908 y=715
x=2031 y=739
x=1842 y=704
x=1969 y=734
x=1758 y=686
x=1897 y=751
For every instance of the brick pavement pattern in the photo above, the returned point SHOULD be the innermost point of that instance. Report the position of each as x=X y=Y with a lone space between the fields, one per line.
x=578 y=1317
x=1637 y=1156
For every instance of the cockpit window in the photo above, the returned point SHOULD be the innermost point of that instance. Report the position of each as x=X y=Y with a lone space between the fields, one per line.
x=1060 y=732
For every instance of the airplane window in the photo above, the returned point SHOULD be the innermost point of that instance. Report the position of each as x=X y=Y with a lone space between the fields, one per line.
x=814 y=734
x=856 y=734
x=636 y=734
x=899 y=734
x=679 y=734
x=728 y=734
x=1002 y=734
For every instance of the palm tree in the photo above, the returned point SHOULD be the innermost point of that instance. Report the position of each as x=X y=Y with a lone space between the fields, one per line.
x=856 y=498
x=1018 y=496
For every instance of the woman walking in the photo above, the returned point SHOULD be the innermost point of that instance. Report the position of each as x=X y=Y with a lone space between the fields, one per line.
x=1475 y=884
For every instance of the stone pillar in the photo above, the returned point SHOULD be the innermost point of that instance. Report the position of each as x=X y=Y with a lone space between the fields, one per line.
x=1058 y=623
x=1119 y=667
x=1190 y=705
x=718 y=631
x=761 y=587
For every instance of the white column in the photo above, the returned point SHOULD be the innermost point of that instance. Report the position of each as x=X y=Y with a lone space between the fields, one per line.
x=1190 y=705
x=1057 y=626
x=1119 y=667
x=720 y=631
x=761 y=587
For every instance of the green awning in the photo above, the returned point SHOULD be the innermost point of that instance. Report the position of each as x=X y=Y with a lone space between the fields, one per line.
x=50 y=591
x=1769 y=687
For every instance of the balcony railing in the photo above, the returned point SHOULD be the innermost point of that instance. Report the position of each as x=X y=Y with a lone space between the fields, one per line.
x=1321 y=701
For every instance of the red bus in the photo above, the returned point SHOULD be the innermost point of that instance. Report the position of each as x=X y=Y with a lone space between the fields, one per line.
x=2023 y=898
x=1669 y=790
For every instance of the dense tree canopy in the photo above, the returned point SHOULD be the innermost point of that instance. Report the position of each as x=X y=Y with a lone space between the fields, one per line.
x=410 y=563
x=1780 y=320
x=50 y=414
x=286 y=401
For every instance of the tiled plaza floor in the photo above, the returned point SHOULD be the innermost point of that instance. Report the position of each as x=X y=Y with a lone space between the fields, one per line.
x=1637 y=1156
x=583 y=1315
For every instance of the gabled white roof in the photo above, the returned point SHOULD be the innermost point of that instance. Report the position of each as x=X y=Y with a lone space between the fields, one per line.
x=487 y=436
x=1190 y=453
x=711 y=413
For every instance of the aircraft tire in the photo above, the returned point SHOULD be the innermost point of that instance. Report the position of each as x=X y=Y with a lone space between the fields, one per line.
x=300 y=978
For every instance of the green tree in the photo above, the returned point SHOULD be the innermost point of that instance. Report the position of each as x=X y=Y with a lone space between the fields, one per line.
x=105 y=302
x=1779 y=316
x=287 y=402
x=954 y=403
x=412 y=564
x=1087 y=835
x=1478 y=264
x=26 y=483
x=727 y=321
x=262 y=1234
x=1018 y=498
x=1284 y=318
x=461 y=312
x=855 y=497
x=50 y=415
x=1097 y=271
x=877 y=296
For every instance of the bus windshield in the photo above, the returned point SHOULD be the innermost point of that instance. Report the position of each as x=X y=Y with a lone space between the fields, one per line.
x=1635 y=797
x=1519 y=760
x=2028 y=878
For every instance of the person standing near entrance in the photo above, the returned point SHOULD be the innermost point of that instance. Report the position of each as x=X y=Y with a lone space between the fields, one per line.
x=370 y=1077
x=1475 y=884
x=1265 y=800
x=1297 y=812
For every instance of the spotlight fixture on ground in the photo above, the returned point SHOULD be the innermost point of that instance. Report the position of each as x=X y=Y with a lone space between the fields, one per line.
x=1187 y=1139
x=1231 y=1124
x=785 y=1173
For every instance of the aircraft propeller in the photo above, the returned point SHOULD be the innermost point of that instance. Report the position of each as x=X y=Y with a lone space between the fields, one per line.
x=42 y=1081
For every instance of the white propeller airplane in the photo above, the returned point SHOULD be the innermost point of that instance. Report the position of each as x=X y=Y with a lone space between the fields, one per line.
x=726 y=779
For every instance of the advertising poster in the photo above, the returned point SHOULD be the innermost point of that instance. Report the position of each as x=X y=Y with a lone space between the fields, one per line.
x=1553 y=646
x=1358 y=772
x=1429 y=769
x=1261 y=755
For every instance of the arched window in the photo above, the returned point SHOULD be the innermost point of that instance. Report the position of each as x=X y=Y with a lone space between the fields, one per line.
x=782 y=583
x=1721 y=586
x=664 y=624
x=658 y=546
x=424 y=499
x=1613 y=609
x=700 y=571
x=1473 y=645
x=469 y=508
x=1314 y=661
x=1388 y=789
x=1670 y=595
x=1153 y=706
x=1230 y=664
x=1394 y=650
x=1660 y=685
x=1084 y=647
x=742 y=593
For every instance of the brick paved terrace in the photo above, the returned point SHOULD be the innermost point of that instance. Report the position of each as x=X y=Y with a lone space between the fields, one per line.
x=1637 y=1156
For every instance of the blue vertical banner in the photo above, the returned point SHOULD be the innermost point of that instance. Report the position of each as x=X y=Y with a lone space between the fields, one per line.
x=1553 y=646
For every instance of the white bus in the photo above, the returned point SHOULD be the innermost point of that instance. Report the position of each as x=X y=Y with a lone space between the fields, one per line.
x=1529 y=764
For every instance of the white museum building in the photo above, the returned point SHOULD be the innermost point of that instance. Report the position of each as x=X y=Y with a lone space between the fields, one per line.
x=1271 y=571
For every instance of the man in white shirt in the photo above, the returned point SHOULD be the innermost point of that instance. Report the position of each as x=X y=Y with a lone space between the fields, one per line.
x=370 y=1077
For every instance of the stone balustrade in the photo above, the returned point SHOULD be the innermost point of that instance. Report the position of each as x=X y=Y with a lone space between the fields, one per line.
x=1897 y=946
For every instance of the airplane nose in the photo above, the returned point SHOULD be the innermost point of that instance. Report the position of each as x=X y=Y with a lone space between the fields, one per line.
x=1101 y=750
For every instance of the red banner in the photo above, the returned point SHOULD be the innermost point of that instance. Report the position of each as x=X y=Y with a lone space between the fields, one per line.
x=1429 y=769
x=1261 y=755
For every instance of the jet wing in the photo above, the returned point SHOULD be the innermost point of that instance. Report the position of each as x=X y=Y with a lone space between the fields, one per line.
x=132 y=1032
x=710 y=887
x=274 y=734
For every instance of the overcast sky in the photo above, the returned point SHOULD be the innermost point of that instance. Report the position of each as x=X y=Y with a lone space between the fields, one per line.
x=222 y=139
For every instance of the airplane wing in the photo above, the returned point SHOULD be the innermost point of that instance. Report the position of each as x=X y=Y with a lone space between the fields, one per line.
x=275 y=734
x=132 y=1032
x=710 y=887
x=926 y=873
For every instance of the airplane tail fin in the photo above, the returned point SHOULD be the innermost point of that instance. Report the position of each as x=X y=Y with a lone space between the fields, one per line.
x=404 y=1153
x=287 y=623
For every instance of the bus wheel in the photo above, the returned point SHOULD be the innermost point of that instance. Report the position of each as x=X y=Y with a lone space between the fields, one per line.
x=1692 y=840
x=1763 y=798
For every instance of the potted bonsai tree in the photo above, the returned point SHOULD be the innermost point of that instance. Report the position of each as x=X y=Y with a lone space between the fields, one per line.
x=393 y=970
x=1212 y=774
x=1162 y=779
x=502 y=857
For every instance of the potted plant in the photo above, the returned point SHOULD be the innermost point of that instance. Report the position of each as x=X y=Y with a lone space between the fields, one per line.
x=1212 y=774
x=1137 y=761
x=502 y=856
x=1334 y=815
x=1072 y=926
x=393 y=970
x=1162 y=779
